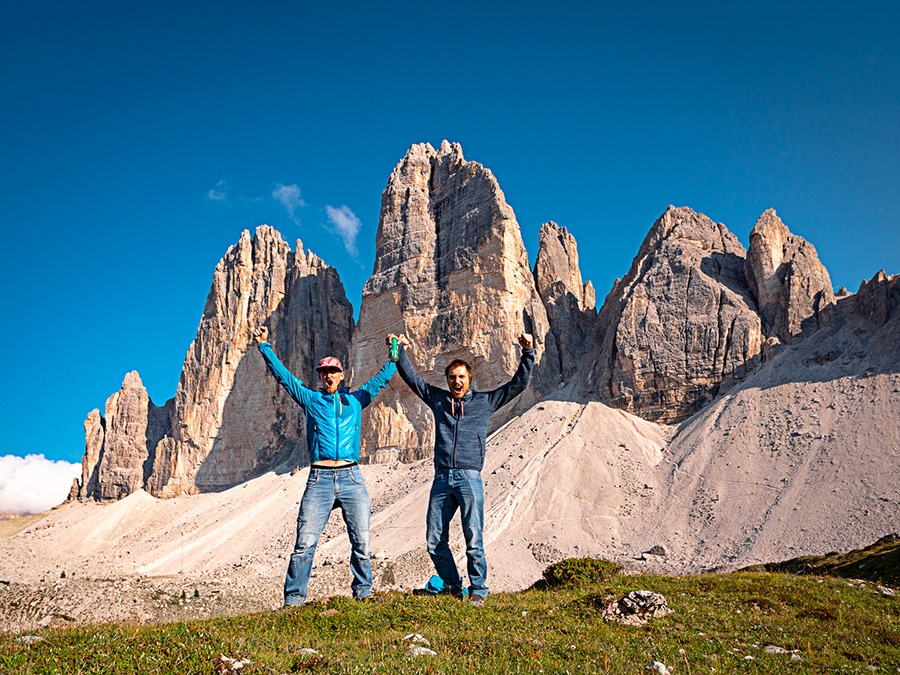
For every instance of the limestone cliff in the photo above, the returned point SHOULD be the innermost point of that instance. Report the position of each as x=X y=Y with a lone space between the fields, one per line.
x=878 y=299
x=451 y=272
x=681 y=326
x=569 y=302
x=791 y=287
x=229 y=420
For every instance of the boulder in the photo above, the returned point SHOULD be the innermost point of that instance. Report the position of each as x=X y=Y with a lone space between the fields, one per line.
x=637 y=608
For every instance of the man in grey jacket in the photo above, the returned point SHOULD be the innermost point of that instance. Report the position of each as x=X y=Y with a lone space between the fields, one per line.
x=461 y=418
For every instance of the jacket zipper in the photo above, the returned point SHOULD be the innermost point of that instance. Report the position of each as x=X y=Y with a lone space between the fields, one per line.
x=337 y=429
x=455 y=434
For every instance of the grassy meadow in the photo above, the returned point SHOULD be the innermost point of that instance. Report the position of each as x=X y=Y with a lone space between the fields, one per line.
x=723 y=623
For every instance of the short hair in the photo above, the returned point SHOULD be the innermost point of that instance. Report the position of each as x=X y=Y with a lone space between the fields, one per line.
x=455 y=363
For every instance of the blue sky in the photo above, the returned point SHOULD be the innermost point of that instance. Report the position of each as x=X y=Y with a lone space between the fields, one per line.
x=137 y=140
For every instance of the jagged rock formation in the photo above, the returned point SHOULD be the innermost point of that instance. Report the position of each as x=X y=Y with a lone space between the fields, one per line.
x=878 y=299
x=681 y=326
x=452 y=273
x=688 y=321
x=229 y=420
x=118 y=446
x=570 y=304
x=791 y=287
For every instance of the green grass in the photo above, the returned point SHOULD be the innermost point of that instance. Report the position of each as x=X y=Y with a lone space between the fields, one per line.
x=878 y=562
x=719 y=620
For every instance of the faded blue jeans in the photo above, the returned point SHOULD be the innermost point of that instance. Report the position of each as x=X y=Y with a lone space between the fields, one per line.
x=326 y=489
x=460 y=489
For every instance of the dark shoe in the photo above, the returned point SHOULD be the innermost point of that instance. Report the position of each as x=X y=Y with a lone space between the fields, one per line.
x=458 y=593
x=476 y=600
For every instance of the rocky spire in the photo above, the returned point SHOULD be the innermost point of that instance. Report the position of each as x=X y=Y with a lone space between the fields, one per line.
x=568 y=301
x=451 y=272
x=229 y=420
x=681 y=326
x=791 y=287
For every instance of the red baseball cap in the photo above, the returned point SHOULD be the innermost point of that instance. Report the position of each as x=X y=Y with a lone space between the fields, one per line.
x=329 y=363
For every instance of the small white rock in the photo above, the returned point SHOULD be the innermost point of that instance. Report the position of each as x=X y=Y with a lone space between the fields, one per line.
x=658 y=667
x=416 y=638
x=416 y=651
x=307 y=651
x=29 y=639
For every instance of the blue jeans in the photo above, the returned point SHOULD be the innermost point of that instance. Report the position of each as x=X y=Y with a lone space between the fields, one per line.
x=326 y=489
x=454 y=489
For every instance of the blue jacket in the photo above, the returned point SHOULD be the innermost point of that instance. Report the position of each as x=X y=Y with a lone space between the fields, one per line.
x=332 y=420
x=460 y=428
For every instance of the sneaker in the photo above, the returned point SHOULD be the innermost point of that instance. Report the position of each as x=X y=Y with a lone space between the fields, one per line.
x=476 y=600
x=459 y=593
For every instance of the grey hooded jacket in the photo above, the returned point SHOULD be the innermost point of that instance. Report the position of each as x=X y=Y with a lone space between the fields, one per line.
x=461 y=426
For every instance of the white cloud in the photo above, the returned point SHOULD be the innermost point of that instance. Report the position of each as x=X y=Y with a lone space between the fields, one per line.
x=346 y=224
x=289 y=196
x=32 y=484
x=219 y=193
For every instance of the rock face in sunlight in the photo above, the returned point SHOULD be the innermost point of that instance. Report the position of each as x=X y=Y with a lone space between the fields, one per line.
x=229 y=420
x=791 y=287
x=451 y=272
x=131 y=421
x=681 y=326
x=695 y=316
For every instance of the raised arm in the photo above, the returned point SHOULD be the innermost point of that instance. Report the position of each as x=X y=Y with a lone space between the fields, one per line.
x=503 y=395
x=366 y=393
x=408 y=373
x=293 y=385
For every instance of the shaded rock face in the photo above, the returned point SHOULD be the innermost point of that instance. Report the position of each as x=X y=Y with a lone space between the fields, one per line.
x=681 y=326
x=451 y=272
x=229 y=420
x=792 y=288
x=878 y=299
x=570 y=304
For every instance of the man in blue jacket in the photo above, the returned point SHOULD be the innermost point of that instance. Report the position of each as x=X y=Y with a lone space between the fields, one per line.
x=333 y=418
x=461 y=418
